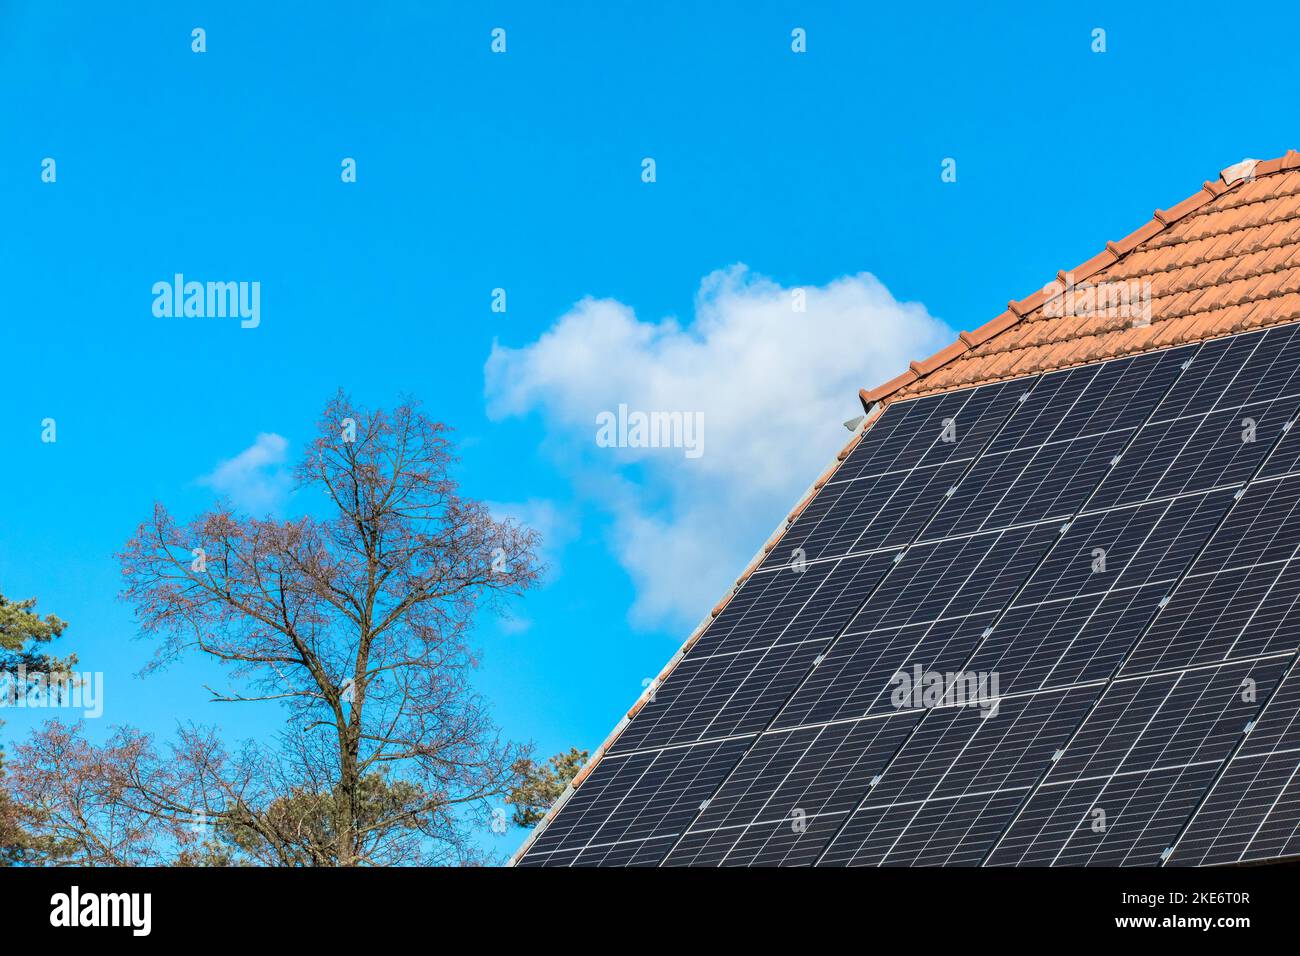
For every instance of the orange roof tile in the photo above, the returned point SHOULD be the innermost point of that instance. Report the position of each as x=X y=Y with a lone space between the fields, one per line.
x=1226 y=259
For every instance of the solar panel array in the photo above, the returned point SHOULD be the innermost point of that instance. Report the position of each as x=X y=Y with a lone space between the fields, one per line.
x=1046 y=621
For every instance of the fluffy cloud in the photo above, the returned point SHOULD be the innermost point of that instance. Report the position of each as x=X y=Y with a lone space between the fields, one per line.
x=772 y=384
x=256 y=479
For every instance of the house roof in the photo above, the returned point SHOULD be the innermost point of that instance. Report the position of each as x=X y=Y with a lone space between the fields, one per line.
x=1224 y=260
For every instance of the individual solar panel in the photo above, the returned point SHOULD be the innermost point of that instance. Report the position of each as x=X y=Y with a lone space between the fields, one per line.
x=930 y=611
x=1236 y=597
x=887 y=508
x=884 y=511
x=1271 y=371
x=1214 y=450
x=1097 y=590
x=1250 y=816
x=1124 y=784
x=1078 y=421
x=727 y=693
x=1253 y=810
x=1116 y=821
x=947 y=795
x=761 y=609
x=789 y=794
x=960 y=537
x=1218 y=362
x=632 y=808
x=925 y=432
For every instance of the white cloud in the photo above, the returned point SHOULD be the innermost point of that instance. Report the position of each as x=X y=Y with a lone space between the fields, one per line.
x=773 y=385
x=256 y=479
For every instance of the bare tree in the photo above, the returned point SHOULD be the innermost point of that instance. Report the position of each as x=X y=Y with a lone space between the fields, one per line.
x=358 y=623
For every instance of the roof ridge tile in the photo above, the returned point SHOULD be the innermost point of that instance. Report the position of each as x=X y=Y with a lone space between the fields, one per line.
x=1208 y=201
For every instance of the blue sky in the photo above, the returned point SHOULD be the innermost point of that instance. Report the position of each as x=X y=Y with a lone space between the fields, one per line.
x=522 y=171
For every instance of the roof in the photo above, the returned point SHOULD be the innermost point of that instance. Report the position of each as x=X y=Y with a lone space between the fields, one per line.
x=1224 y=260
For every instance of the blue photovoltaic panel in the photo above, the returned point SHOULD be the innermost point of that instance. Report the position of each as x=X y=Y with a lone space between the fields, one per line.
x=767 y=606
x=733 y=692
x=948 y=793
x=929 y=611
x=1253 y=811
x=1105 y=556
x=1212 y=452
x=1236 y=599
x=877 y=501
x=885 y=511
x=1059 y=445
x=1098 y=589
x=631 y=809
x=790 y=793
x=931 y=431
x=1218 y=363
x=1125 y=783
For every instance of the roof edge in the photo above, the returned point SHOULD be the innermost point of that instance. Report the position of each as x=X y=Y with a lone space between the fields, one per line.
x=1229 y=178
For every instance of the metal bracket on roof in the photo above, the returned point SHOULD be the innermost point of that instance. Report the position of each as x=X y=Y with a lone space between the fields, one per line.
x=898 y=557
x=1186 y=365
x=1238 y=494
x=818 y=659
x=1165 y=854
x=1114 y=461
x=1287 y=426
x=704 y=804
x=1164 y=601
x=1064 y=528
x=1247 y=728
x=988 y=632
x=950 y=492
x=874 y=780
x=1024 y=396
x=1057 y=756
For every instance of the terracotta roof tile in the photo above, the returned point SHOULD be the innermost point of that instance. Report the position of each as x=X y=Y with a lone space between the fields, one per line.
x=1226 y=259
